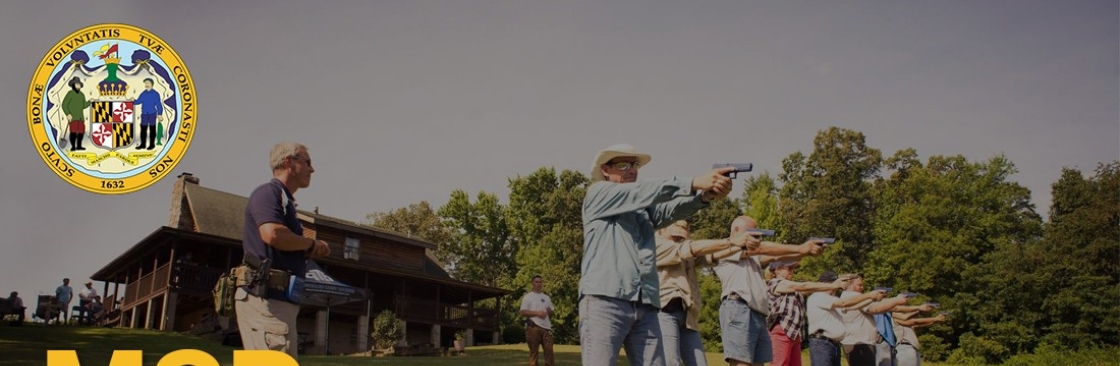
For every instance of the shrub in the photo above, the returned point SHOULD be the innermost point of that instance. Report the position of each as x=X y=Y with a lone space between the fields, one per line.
x=1048 y=356
x=386 y=330
x=978 y=351
x=933 y=348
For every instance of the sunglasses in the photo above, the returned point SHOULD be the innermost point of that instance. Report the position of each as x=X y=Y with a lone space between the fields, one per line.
x=624 y=166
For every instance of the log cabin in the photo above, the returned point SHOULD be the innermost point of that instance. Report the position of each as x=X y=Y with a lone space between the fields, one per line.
x=164 y=281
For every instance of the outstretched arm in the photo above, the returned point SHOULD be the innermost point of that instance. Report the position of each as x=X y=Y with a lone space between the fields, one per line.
x=920 y=322
x=786 y=287
x=886 y=305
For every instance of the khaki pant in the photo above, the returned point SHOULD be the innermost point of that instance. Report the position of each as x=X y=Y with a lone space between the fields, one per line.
x=267 y=324
x=537 y=336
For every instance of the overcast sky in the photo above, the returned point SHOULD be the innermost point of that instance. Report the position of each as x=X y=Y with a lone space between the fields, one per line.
x=403 y=101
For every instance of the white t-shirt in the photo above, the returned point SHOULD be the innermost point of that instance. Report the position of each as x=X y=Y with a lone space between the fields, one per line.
x=87 y=294
x=822 y=316
x=538 y=302
x=744 y=277
x=859 y=326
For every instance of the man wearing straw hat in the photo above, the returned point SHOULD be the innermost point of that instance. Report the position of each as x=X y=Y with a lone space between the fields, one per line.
x=619 y=289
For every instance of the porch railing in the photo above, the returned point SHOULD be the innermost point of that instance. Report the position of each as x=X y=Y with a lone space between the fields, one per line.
x=147 y=284
x=428 y=311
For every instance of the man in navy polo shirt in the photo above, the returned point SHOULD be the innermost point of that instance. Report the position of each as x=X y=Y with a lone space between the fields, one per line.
x=272 y=231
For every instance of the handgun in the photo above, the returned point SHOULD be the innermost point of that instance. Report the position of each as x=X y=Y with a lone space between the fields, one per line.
x=934 y=305
x=909 y=295
x=849 y=276
x=260 y=274
x=739 y=168
x=826 y=241
x=885 y=289
x=764 y=232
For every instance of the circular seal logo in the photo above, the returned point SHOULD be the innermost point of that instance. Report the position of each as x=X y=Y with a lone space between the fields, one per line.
x=111 y=108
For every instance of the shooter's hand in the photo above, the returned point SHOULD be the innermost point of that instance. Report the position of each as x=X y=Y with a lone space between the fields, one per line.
x=747 y=240
x=812 y=247
x=714 y=182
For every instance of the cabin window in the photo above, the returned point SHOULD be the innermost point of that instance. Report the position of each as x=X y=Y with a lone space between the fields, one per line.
x=352 y=248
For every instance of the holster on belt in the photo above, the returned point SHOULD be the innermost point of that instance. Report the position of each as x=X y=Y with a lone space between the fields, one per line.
x=255 y=273
x=266 y=282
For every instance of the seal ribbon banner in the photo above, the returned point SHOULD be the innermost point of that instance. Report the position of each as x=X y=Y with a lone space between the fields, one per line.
x=109 y=93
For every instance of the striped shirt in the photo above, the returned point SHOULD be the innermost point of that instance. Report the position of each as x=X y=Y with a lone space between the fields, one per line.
x=788 y=310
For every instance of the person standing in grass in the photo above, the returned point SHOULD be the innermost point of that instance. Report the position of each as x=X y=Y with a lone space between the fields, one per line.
x=537 y=309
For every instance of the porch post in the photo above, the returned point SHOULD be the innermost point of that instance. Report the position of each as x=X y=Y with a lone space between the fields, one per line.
x=167 y=321
x=321 y=330
x=470 y=318
x=363 y=332
x=403 y=341
x=437 y=336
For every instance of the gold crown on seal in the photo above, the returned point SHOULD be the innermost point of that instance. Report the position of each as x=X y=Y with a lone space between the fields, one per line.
x=113 y=90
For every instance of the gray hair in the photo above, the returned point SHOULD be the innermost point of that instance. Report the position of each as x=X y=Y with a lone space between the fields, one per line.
x=283 y=150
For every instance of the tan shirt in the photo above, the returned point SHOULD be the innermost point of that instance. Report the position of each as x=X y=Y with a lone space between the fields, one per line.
x=859 y=325
x=906 y=334
x=744 y=277
x=676 y=270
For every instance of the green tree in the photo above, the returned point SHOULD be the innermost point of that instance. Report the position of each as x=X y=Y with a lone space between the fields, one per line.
x=480 y=249
x=829 y=193
x=1060 y=292
x=760 y=200
x=418 y=219
x=1081 y=267
x=545 y=223
x=714 y=222
x=935 y=226
x=937 y=220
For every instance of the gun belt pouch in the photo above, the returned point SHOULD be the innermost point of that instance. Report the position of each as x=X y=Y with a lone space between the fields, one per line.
x=284 y=286
x=224 y=293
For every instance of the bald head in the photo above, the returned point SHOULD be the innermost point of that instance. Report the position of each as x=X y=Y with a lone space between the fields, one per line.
x=742 y=223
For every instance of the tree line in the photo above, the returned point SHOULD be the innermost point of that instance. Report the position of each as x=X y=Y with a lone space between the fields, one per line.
x=955 y=231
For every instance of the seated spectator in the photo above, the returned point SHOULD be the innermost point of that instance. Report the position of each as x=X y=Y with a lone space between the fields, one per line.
x=17 y=306
x=94 y=309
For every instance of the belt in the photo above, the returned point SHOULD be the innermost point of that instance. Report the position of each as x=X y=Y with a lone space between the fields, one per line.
x=735 y=296
x=820 y=335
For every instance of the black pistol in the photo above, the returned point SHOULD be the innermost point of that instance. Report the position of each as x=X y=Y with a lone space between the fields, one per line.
x=739 y=168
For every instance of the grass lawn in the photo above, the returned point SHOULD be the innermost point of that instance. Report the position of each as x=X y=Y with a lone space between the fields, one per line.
x=27 y=345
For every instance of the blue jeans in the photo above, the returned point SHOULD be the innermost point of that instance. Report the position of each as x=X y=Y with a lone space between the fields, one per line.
x=743 y=332
x=823 y=352
x=607 y=324
x=680 y=342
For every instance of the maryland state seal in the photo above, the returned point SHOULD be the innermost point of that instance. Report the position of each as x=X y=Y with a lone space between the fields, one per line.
x=111 y=109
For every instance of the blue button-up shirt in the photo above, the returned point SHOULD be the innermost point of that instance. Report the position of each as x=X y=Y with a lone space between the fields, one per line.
x=619 y=248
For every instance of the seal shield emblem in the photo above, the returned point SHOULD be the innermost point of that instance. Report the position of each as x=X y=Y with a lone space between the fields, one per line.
x=111 y=108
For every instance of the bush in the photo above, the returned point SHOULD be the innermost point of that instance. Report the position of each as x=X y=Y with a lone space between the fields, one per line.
x=978 y=351
x=933 y=348
x=386 y=330
x=1048 y=356
x=513 y=334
